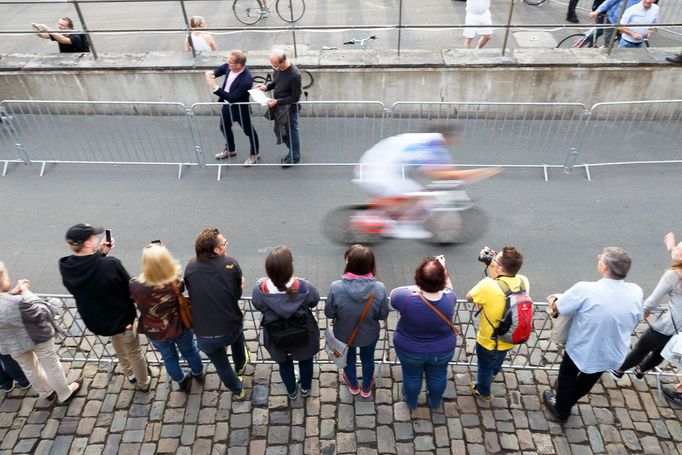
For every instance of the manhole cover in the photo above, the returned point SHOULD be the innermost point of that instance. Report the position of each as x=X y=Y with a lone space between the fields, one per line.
x=535 y=39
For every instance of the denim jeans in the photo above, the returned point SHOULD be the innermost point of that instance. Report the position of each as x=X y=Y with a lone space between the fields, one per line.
x=367 y=360
x=415 y=366
x=169 y=353
x=294 y=138
x=10 y=371
x=628 y=44
x=489 y=364
x=216 y=351
x=305 y=369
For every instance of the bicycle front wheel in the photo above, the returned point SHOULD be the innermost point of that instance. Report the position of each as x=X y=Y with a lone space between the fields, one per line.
x=571 y=40
x=290 y=10
x=534 y=2
x=248 y=12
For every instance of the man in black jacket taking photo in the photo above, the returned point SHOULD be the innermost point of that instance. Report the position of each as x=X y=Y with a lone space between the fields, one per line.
x=99 y=283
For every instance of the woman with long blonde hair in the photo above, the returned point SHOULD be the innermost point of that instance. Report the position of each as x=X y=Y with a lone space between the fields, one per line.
x=155 y=292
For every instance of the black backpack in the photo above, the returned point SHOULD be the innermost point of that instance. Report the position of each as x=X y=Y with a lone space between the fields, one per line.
x=293 y=332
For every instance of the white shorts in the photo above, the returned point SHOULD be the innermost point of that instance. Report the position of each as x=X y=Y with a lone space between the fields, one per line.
x=478 y=19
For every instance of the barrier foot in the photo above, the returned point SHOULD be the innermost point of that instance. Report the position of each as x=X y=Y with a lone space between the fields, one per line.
x=4 y=168
x=179 y=171
x=220 y=171
x=42 y=168
x=587 y=173
x=544 y=169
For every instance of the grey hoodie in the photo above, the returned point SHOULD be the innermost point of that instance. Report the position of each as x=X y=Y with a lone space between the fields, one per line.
x=345 y=303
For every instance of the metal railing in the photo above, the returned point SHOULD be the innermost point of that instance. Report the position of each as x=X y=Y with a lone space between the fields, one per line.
x=336 y=133
x=439 y=23
x=539 y=353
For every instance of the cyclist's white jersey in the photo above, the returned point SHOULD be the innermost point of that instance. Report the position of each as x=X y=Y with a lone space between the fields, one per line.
x=381 y=172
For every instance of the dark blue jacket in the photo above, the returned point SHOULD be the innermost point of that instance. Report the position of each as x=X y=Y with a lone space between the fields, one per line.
x=239 y=91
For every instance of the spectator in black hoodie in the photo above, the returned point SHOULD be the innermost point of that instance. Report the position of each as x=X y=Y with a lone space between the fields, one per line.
x=99 y=284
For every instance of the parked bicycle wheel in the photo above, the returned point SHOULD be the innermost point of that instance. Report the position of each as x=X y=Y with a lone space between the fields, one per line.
x=534 y=2
x=248 y=12
x=572 y=41
x=290 y=10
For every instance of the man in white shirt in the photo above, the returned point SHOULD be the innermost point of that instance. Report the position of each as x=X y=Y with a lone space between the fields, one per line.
x=645 y=12
x=604 y=313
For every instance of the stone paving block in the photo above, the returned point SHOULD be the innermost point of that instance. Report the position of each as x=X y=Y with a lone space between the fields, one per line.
x=525 y=438
x=239 y=438
x=616 y=449
x=405 y=448
x=475 y=449
x=25 y=445
x=403 y=431
x=543 y=443
x=458 y=448
x=650 y=445
x=311 y=446
x=491 y=442
x=98 y=436
x=596 y=441
x=675 y=429
x=474 y=435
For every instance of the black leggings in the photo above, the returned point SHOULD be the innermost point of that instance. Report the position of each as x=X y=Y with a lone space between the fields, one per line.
x=647 y=351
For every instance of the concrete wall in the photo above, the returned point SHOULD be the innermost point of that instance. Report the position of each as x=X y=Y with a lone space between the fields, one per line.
x=556 y=75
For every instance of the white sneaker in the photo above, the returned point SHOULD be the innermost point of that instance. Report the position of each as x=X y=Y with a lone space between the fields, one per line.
x=408 y=230
x=252 y=159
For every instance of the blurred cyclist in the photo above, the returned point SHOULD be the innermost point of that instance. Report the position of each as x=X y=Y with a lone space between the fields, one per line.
x=384 y=169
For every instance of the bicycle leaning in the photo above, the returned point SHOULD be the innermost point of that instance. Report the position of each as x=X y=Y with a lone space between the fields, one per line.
x=248 y=12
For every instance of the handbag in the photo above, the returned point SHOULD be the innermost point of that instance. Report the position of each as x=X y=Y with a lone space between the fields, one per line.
x=338 y=350
x=672 y=351
x=561 y=324
x=184 y=307
x=435 y=310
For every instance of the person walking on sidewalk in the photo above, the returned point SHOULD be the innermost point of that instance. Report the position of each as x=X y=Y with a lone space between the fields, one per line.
x=27 y=330
x=235 y=89
x=214 y=282
x=99 y=284
x=604 y=313
x=155 y=292
x=346 y=302
x=286 y=82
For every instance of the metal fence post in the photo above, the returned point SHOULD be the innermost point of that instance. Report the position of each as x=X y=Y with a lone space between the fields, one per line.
x=21 y=151
x=85 y=28
x=192 y=129
x=189 y=29
x=400 y=23
x=508 y=27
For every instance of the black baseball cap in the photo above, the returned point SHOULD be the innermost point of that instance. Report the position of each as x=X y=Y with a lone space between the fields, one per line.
x=81 y=232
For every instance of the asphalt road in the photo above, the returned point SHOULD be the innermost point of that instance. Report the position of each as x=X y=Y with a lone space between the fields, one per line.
x=165 y=15
x=560 y=225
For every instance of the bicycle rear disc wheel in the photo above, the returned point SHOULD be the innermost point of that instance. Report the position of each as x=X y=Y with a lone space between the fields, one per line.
x=290 y=10
x=337 y=226
x=570 y=40
x=456 y=226
x=248 y=12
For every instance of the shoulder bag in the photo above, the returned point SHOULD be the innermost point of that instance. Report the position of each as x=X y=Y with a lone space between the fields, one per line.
x=561 y=324
x=435 y=310
x=184 y=307
x=338 y=350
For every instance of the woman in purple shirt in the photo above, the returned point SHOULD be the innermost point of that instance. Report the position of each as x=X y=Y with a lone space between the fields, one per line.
x=425 y=337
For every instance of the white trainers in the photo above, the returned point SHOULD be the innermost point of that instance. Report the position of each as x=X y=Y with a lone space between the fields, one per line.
x=251 y=160
x=408 y=230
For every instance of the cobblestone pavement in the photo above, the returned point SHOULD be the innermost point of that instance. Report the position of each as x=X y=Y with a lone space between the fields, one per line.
x=111 y=417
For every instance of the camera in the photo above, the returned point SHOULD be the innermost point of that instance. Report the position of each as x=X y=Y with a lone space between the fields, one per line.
x=486 y=255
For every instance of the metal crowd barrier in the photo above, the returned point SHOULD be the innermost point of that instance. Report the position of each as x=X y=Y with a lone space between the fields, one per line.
x=79 y=345
x=336 y=133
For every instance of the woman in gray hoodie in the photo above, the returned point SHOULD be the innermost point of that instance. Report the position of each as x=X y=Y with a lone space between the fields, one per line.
x=289 y=329
x=346 y=303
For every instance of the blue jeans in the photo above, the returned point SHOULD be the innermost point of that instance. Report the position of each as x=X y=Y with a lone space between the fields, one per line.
x=414 y=366
x=169 y=353
x=628 y=44
x=216 y=351
x=489 y=364
x=367 y=360
x=10 y=371
x=305 y=369
x=295 y=142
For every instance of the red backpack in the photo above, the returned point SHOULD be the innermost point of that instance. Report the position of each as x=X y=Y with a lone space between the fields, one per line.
x=516 y=324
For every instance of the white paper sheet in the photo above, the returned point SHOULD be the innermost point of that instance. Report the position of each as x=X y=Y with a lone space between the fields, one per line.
x=259 y=96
